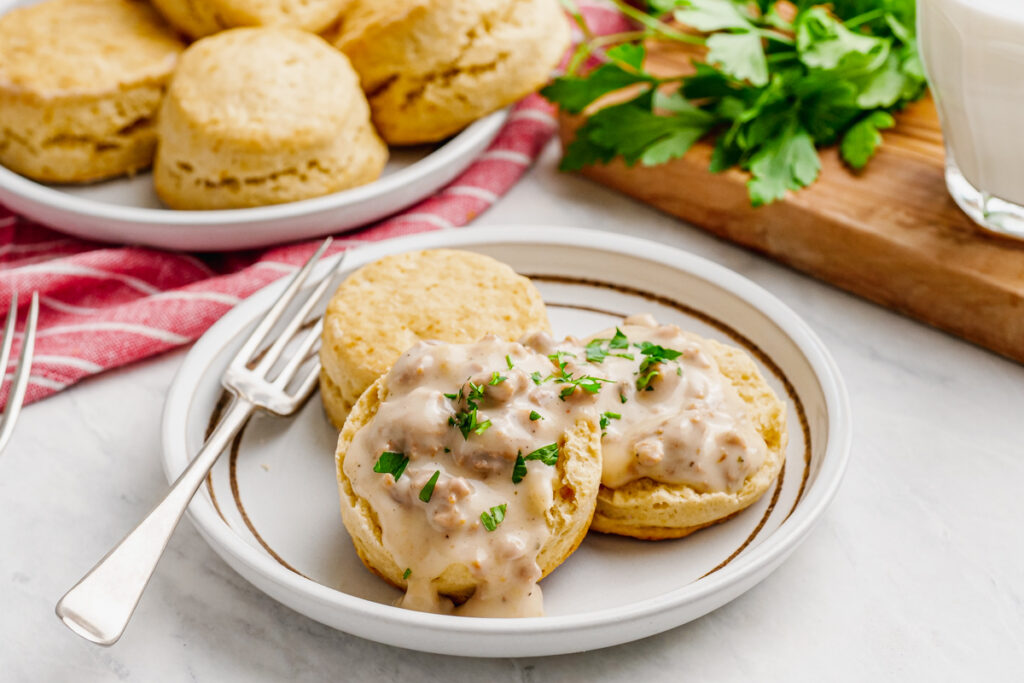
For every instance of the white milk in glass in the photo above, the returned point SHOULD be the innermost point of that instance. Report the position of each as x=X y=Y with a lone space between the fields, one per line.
x=974 y=57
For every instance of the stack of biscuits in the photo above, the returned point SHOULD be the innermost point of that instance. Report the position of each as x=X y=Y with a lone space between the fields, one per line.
x=239 y=103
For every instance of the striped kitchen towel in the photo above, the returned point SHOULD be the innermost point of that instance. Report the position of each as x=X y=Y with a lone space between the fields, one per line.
x=104 y=306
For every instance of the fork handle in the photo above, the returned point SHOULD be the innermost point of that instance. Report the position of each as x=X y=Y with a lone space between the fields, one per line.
x=100 y=605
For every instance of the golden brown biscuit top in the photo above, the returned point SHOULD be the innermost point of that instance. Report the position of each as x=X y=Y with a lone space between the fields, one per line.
x=66 y=47
x=265 y=86
x=457 y=296
x=300 y=13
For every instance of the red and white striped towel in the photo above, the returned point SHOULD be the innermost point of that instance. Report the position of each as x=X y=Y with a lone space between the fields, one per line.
x=103 y=306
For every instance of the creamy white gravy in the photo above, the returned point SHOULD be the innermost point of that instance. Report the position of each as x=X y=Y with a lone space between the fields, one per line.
x=676 y=421
x=666 y=412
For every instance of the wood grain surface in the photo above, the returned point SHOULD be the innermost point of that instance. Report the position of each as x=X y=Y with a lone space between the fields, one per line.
x=890 y=234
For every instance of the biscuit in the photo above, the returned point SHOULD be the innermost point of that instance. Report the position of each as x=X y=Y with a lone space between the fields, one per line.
x=651 y=510
x=573 y=493
x=257 y=116
x=80 y=85
x=385 y=307
x=431 y=67
x=199 y=18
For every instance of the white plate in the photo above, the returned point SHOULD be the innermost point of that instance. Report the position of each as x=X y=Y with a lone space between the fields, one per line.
x=271 y=509
x=127 y=210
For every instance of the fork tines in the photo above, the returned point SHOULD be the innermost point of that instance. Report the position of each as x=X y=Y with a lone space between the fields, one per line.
x=250 y=372
x=19 y=383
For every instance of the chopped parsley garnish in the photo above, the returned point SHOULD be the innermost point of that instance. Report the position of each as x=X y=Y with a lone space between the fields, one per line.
x=519 y=469
x=658 y=353
x=534 y=416
x=447 y=450
x=587 y=383
x=679 y=371
x=537 y=379
x=596 y=354
x=496 y=379
x=391 y=463
x=599 y=349
x=607 y=417
x=622 y=397
x=467 y=420
x=476 y=392
x=508 y=362
x=452 y=396
x=428 y=489
x=654 y=355
x=406 y=574
x=619 y=341
x=493 y=517
x=546 y=454
x=557 y=356
x=643 y=382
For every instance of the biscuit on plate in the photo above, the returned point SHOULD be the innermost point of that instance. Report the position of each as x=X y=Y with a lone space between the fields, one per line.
x=723 y=482
x=257 y=116
x=385 y=307
x=80 y=85
x=448 y=506
x=431 y=67
x=205 y=17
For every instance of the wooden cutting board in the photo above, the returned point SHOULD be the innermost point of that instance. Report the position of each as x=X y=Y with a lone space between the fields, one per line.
x=890 y=234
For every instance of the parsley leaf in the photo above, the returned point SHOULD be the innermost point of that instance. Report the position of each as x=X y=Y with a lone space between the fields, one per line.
x=862 y=139
x=493 y=517
x=712 y=15
x=587 y=383
x=599 y=349
x=786 y=162
x=607 y=417
x=428 y=489
x=534 y=416
x=824 y=42
x=654 y=355
x=595 y=352
x=467 y=420
x=519 y=469
x=546 y=454
x=739 y=55
x=496 y=379
x=391 y=463
x=406 y=574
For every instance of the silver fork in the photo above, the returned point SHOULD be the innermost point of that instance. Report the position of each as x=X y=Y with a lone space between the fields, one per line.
x=100 y=605
x=19 y=383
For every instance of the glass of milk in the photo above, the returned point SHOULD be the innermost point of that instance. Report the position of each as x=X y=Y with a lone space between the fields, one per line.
x=973 y=52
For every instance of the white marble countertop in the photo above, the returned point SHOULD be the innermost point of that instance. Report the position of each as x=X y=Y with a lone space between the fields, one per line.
x=916 y=572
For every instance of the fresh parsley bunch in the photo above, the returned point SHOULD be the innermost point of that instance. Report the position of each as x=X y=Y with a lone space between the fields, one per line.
x=778 y=80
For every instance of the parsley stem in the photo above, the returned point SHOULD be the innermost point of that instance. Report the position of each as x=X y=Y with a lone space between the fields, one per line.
x=656 y=26
x=579 y=56
x=772 y=34
x=615 y=38
x=577 y=16
x=864 y=18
